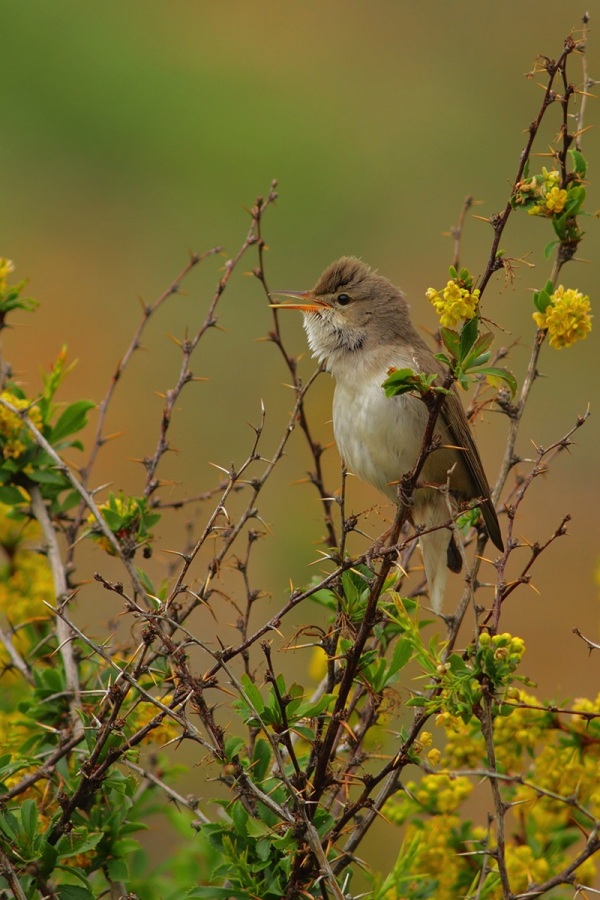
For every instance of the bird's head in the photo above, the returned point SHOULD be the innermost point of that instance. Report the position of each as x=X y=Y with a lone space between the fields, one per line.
x=349 y=308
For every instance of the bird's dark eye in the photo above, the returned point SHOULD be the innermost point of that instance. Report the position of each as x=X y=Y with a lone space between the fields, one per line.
x=344 y=299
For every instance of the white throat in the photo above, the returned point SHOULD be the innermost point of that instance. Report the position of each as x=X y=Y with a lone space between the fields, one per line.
x=331 y=343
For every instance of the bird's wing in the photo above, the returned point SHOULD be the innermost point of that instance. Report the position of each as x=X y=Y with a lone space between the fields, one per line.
x=459 y=432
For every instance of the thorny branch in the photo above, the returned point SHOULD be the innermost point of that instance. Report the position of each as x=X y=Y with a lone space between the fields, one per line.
x=315 y=448
x=335 y=776
x=63 y=633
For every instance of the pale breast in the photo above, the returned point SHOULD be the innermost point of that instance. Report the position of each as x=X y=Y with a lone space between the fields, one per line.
x=378 y=437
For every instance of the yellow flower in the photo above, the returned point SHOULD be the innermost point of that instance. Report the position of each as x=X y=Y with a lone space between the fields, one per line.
x=441 y=793
x=434 y=756
x=567 y=318
x=6 y=267
x=517 y=735
x=13 y=431
x=144 y=713
x=551 y=177
x=555 y=199
x=454 y=303
x=465 y=746
x=525 y=186
x=426 y=739
x=317 y=666
x=523 y=866
x=437 y=854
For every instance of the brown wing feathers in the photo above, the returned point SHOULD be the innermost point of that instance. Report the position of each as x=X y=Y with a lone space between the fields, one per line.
x=460 y=433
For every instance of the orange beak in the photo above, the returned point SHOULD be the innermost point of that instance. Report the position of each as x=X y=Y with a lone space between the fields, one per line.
x=309 y=302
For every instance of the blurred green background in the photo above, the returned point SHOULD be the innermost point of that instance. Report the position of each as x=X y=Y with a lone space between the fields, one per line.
x=134 y=133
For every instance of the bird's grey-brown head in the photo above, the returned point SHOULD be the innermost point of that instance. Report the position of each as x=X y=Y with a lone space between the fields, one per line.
x=351 y=308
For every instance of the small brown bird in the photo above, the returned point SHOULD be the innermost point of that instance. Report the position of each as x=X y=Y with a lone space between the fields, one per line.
x=358 y=325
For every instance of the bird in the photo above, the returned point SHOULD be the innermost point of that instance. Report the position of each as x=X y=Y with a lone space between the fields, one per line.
x=358 y=327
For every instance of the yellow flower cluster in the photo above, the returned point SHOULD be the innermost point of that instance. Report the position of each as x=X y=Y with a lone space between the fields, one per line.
x=537 y=748
x=26 y=579
x=25 y=584
x=544 y=189
x=582 y=724
x=453 y=303
x=567 y=318
x=6 y=267
x=441 y=793
x=556 y=199
x=563 y=771
x=518 y=734
x=505 y=646
x=465 y=747
x=437 y=856
x=143 y=713
x=523 y=867
x=435 y=794
x=14 y=435
x=15 y=730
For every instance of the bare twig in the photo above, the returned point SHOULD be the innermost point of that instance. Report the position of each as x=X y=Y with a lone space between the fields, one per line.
x=14 y=882
x=316 y=449
x=457 y=230
x=487 y=729
x=63 y=632
x=15 y=657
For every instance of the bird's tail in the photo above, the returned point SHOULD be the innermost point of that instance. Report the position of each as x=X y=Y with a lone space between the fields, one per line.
x=434 y=545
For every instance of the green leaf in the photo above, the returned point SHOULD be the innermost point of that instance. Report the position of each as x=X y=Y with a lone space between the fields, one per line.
x=559 y=224
x=480 y=360
x=451 y=340
x=304 y=731
x=73 y=419
x=47 y=476
x=309 y=710
x=146 y=581
x=575 y=198
x=11 y=496
x=71 y=500
x=73 y=892
x=401 y=655
x=118 y=869
x=217 y=893
x=483 y=342
x=9 y=825
x=399 y=382
x=113 y=519
x=325 y=598
x=465 y=276
x=578 y=162
x=549 y=248
x=239 y=818
x=542 y=300
x=29 y=818
x=233 y=745
x=261 y=760
x=253 y=695
x=478 y=350
x=504 y=374
x=78 y=842
x=468 y=336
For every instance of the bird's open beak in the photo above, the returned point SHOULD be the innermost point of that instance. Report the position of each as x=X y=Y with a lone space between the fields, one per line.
x=309 y=303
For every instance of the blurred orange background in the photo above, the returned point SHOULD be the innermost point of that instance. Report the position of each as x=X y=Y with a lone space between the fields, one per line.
x=135 y=133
